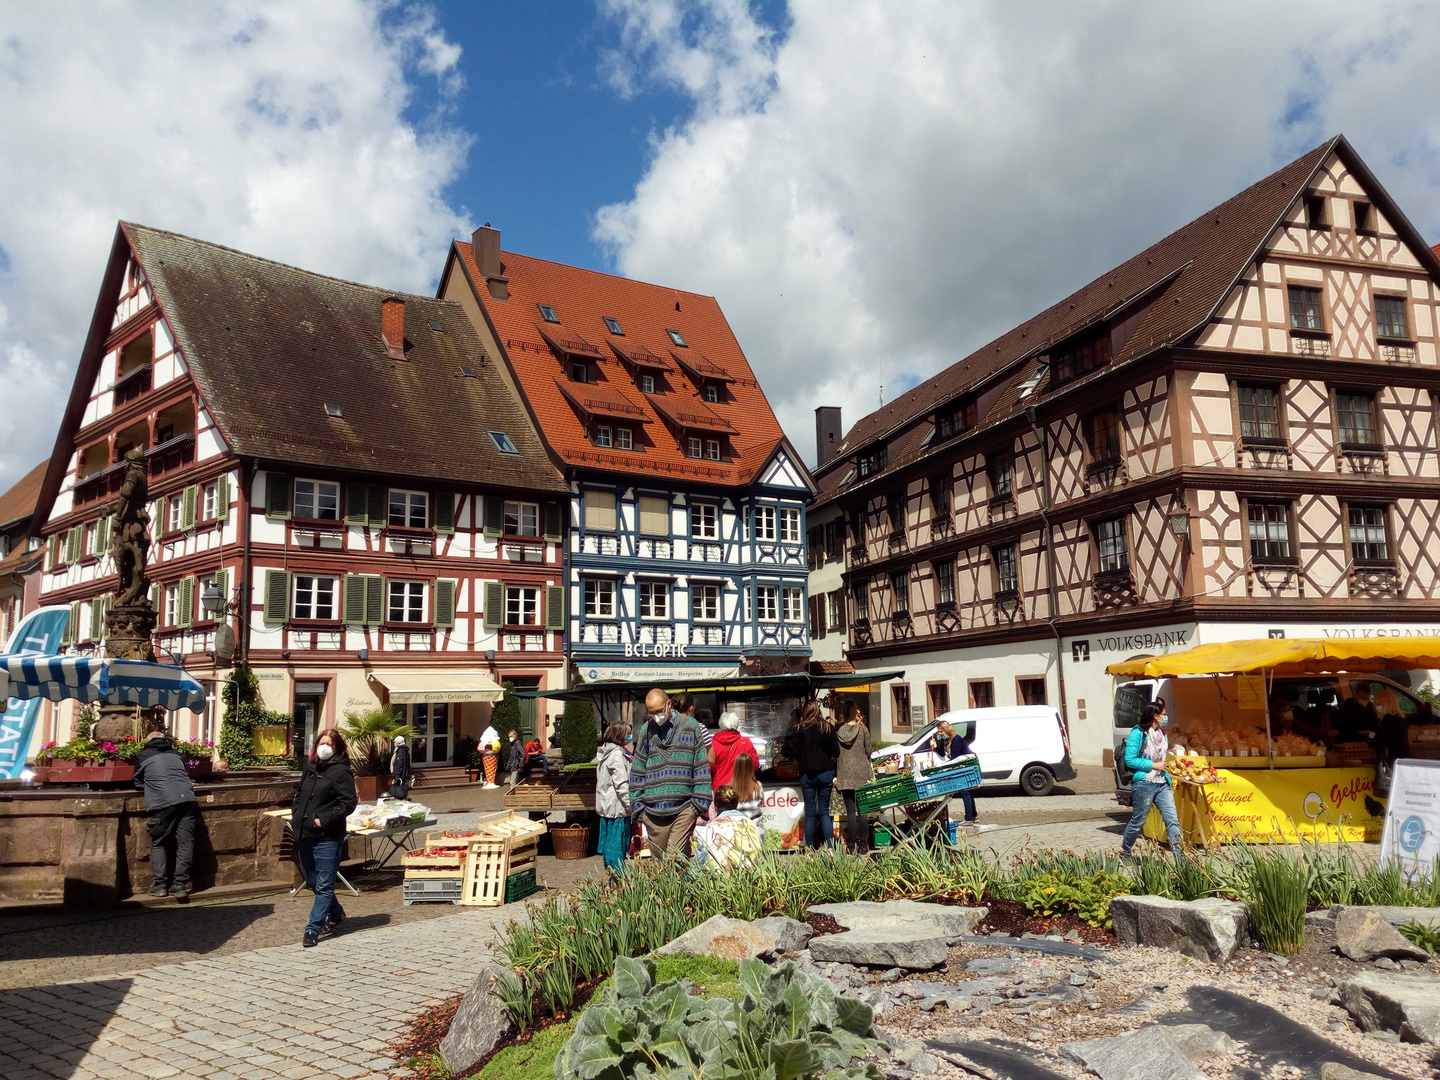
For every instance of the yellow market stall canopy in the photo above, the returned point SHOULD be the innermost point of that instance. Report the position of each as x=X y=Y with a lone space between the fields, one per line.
x=1288 y=656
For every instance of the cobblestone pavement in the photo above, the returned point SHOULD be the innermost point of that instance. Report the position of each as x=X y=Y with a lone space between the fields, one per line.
x=271 y=1012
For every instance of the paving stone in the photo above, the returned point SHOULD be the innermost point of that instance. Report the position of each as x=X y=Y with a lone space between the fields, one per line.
x=912 y=946
x=1148 y=1053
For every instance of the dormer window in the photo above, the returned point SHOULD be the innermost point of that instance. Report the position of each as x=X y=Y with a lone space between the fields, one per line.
x=956 y=417
x=1079 y=355
x=647 y=384
x=871 y=464
x=548 y=313
x=613 y=325
x=579 y=372
x=1364 y=217
x=602 y=436
x=624 y=438
x=712 y=393
x=676 y=339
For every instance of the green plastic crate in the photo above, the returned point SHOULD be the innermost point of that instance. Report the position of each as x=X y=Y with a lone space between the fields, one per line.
x=891 y=791
x=518 y=886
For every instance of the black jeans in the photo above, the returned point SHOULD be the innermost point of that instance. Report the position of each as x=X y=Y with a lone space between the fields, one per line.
x=856 y=823
x=172 y=843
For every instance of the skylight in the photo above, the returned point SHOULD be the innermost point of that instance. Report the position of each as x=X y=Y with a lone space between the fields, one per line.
x=548 y=313
x=466 y=371
x=677 y=339
x=435 y=325
x=502 y=442
x=1028 y=386
x=332 y=410
x=613 y=325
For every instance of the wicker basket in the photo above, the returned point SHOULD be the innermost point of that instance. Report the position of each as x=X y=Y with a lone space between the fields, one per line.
x=571 y=841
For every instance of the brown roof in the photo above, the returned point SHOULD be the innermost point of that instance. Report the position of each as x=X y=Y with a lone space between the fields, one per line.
x=270 y=346
x=19 y=502
x=20 y=561
x=1183 y=278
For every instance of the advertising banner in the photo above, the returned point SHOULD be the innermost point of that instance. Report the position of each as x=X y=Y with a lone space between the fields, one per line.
x=783 y=814
x=1412 y=819
x=38 y=634
x=1285 y=805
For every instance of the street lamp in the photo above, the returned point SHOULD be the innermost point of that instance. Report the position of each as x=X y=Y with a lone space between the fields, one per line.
x=212 y=599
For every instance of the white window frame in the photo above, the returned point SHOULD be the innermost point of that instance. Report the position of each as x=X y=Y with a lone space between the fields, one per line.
x=695 y=447
x=677 y=339
x=712 y=393
x=175 y=512
x=318 y=490
x=523 y=602
x=413 y=501
x=210 y=502
x=412 y=602
x=312 y=596
x=789 y=525
x=613 y=325
x=647 y=384
x=654 y=600
x=793 y=597
x=767 y=603
x=172 y=605
x=624 y=439
x=712 y=449
x=603 y=436
x=704 y=521
x=835 y=610
x=705 y=602
x=765 y=523
x=518 y=512
x=599 y=596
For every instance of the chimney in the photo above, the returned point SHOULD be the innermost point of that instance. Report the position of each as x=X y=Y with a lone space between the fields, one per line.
x=828 y=434
x=485 y=246
x=392 y=326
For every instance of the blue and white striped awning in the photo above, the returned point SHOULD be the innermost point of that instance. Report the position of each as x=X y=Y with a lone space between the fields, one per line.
x=94 y=678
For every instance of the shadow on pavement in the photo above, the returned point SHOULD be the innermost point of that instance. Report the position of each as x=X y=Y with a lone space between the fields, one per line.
x=187 y=929
x=62 y=1018
x=353 y=924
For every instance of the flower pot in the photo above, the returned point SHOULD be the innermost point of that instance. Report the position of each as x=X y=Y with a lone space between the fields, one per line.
x=200 y=769
x=571 y=841
x=473 y=774
x=370 y=788
x=70 y=772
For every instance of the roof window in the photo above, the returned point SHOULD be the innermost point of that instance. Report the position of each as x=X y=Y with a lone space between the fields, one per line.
x=332 y=410
x=466 y=371
x=548 y=313
x=434 y=324
x=677 y=339
x=502 y=442
x=872 y=463
x=613 y=325
x=1080 y=355
x=1028 y=386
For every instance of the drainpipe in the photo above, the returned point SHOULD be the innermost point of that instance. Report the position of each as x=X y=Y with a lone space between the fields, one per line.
x=1050 y=557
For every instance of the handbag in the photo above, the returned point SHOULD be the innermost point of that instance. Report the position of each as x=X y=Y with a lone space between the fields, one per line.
x=396 y=790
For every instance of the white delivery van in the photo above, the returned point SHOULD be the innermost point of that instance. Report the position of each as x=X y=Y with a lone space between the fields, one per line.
x=1021 y=744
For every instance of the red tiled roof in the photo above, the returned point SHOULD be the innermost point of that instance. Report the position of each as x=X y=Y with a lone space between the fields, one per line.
x=19 y=501
x=583 y=299
x=20 y=561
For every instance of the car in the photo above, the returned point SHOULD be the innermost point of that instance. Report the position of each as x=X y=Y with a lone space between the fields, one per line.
x=1018 y=744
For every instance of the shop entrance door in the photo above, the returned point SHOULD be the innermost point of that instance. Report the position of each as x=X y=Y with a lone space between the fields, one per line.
x=430 y=744
x=309 y=710
x=529 y=706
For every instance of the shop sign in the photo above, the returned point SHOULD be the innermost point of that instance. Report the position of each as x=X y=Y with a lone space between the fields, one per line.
x=782 y=813
x=657 y=672
x=1412 y=818
x=645 y=651
x=1282 y=805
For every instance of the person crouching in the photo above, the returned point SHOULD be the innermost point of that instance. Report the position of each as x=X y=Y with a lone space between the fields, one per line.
x=324 y=800
x=171 y=810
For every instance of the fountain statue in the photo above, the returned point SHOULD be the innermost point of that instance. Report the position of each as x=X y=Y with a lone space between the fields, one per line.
x=131 y=618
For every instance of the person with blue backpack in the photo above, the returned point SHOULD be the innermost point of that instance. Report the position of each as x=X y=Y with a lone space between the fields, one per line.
x=1145 y=751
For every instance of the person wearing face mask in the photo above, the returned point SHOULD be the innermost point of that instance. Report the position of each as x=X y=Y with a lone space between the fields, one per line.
x=324 y=800
x=1145 y=750
x=669 y=776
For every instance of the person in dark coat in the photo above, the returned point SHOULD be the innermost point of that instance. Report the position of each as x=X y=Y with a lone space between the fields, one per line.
x=816 y=751
x=950 y=745
x=325 y=798
x=515 y=758
x=170 y=808
x=400 y=768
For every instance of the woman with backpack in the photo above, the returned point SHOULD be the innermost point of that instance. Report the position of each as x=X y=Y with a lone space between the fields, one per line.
x=1145 y=751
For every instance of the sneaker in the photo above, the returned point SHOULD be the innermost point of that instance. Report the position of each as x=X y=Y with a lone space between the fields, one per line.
x=180 y=890
x=331 y=923
x=159 y=889
x=309 y=941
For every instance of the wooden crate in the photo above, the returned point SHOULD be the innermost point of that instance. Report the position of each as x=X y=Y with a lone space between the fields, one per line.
x=440 y=840
x=515 y=830
x=523 y=857
x=530 y=796
x=452 y=859
x=487 y=865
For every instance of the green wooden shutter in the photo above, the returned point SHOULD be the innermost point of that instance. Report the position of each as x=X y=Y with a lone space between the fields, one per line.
x=277 y=496
x=222 y=496
x=374 y=600
x=221 y=580
x=157 y=597
x=188 y=498
x=74 y=540
x=102 y=536
x=494 y=516
x=553 y=521
x=54 y=550
x=357 y=503
x=102 y=629
x=494 y=604
x=97 y=613
x=445 y=602
x=185 y=602
x=377 y=505
x=444 y=511
x=354 y=610
x=277 y=594
x=72 y=625
x=554 y=607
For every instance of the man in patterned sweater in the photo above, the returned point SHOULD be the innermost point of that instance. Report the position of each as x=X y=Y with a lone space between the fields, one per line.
x=669 y=776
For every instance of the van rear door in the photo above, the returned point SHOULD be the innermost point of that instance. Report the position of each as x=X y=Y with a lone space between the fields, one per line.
x=1130 y=702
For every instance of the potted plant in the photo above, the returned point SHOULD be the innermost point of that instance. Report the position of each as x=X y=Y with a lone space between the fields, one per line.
x=82 y=760
x=198 y=757
x=369 y=736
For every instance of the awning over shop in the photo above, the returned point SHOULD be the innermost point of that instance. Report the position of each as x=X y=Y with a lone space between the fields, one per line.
x=1289 y=656
x=407 y=687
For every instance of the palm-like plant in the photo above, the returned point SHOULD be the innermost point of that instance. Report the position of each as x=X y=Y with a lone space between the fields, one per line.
x=369 y=735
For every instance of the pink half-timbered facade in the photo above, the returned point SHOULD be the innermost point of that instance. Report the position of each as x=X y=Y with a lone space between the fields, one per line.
x=1231 y=435
x=344 y=466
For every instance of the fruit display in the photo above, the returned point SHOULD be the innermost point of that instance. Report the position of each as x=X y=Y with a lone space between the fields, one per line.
x=1212 y=738
x=1190 y=771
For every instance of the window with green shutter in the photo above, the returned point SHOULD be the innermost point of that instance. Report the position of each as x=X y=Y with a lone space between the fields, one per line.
x=185 y=603
x=554 y=607
x=445 y=602
x=101 y=631
x=157 y=595
x=553 y=521
x=222 y=496
x=377 y=505
x=72 y=625
x=277 y=595
x=444 y=511
x=188 y=498
x=74 y=542
x=97 y=612
x=494 y=516
x=494 y=602
x=102 y=536
x=364 y=600
x=54 y=552
x=357 y=503
x=374 y=600
x=354 y=605
x=277 y=495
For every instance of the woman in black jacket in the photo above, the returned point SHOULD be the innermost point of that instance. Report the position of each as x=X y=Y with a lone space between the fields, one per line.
x=816 y=751
x=325 y=799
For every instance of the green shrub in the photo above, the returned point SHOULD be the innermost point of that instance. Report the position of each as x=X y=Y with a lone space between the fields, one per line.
x=579 y=738
x=534 y=1060
x=243 y=714
x=1071 y=894
x=505 y=715
x=1422 y=934
x=791 y=1026
x=1279 y=889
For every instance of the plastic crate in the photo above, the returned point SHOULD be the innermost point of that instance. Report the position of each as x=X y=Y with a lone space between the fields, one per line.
x=444 y=889
x=891 y=791
x=518 y=886
x=948 y=781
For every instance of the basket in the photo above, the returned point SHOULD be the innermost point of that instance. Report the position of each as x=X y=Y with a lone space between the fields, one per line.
x=890 y=791
x=518 y=886
x=883 y=835
x=571 y=841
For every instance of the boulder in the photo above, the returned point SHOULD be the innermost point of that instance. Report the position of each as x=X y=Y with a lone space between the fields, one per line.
x=1407 y=1004
x=909 y=945
x=480 y=1024
x=726 y=938
x=1364 y=934
x=1209 y=929
x=1149 y=1053
x=1333 y=1070
x=870 y=914
x=1397 y=916
x=791 y=935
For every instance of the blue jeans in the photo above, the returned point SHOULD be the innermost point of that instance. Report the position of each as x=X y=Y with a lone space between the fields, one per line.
x=1144 y=794
x=320 y=862
x=967 y=796
x=815 y=790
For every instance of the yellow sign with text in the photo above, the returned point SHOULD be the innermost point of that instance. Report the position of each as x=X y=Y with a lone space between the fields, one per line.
x=1281 y=805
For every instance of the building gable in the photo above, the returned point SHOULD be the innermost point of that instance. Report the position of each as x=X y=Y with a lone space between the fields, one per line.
x=783 y=470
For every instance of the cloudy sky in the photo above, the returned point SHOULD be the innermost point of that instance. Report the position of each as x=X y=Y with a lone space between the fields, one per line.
x=871 y=190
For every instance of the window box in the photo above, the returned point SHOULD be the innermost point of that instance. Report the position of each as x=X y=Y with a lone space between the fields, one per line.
x=1106 y=465
x=859 y=554
x=406 y=532
x=861 y=626
x=328 y=526
x=1007 y=597
x=1273 y=563
x=1002 y=502
x=1363 y=448
x=1315 y=335
x=945 y=607
x=1263 y=440
x=1109 y=579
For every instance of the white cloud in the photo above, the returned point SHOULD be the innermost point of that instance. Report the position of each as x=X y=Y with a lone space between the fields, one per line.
x=891 y=186
x=276 y=128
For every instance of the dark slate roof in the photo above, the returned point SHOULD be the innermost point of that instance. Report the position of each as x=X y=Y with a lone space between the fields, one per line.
x=270 y=346
x=1184 y=278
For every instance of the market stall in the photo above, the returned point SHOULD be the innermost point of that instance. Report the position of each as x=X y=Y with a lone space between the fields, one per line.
x=1259 y=749
x=917 y=798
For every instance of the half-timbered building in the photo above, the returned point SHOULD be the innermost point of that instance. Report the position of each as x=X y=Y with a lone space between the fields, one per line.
x=1230 y=435
x=339 y=474
x=686 y=520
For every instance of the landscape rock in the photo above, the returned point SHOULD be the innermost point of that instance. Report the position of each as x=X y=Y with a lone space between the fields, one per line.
x=989 y=965
x=1197 y=1041
x=1396 y=916
x=1333 y=1070
x=1209 y=929
x=1406 y=1004
x=870 y=914
x=791 y=935
x=726 y=938
x=912 y=946
x=1149 y=1053
x=480 y=1024
x=1364 y=934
